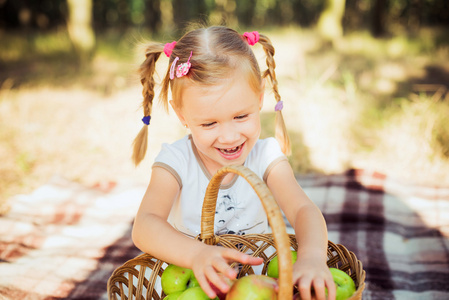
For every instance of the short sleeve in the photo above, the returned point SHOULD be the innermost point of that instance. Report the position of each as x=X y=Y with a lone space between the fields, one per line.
x=264 y=156
x=172 y=157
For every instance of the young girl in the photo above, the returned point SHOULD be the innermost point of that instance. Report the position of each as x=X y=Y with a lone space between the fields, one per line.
x=217 y=92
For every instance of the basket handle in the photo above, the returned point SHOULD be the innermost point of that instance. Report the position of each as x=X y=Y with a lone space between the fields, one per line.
x=275 y=219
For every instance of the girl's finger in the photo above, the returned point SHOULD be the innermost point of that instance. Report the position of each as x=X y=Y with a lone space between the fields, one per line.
x=318 y=287
x=216 y=281
x=234 y=255
x=331 y=289
x=304 y=288
x=254 y=260
x=221 y=266
x=204 y=284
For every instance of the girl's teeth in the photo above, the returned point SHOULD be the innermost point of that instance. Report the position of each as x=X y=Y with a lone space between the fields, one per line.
x=231 y=150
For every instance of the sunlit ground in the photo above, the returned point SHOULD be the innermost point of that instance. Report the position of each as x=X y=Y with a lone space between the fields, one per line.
x=373 y=104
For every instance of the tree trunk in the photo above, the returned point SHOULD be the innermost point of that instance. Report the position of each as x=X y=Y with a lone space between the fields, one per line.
x=330 y=22
x=181 y=14
x=79 y=26
x=378 y=18
x=153 y=14
x=224 y=13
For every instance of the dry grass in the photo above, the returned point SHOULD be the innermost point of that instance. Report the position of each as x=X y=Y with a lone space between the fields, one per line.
x=78 y=134
x=354 y=107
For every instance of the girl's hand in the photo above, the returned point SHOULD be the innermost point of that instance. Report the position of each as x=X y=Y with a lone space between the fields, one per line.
x=310 y=272
x=212 y=261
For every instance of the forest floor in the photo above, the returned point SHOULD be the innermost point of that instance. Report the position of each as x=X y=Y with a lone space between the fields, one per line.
x=380 y=105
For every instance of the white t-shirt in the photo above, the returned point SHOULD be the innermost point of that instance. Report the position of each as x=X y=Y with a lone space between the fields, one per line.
x=238 y=210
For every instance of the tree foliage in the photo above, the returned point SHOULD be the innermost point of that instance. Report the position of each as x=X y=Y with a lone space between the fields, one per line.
x=156 y=15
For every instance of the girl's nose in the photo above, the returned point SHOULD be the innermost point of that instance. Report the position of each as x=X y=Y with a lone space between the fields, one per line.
x=228 y=134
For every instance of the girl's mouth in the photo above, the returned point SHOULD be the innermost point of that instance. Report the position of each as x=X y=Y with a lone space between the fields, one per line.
x=231 y=150
x=231 y=153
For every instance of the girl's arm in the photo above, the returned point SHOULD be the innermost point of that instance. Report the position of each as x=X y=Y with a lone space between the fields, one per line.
x=308 y=222
x=153 y=234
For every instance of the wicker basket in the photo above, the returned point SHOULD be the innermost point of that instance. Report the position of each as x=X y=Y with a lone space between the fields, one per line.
x=139 y=278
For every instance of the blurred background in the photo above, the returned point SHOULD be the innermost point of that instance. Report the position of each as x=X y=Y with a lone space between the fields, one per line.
x=364 y=83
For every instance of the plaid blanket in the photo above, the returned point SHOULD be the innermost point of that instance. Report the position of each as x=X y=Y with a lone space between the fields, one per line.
x=399 y=231
x=64 y=240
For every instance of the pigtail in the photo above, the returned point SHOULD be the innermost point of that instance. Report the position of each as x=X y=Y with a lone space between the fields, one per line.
x=280 y=128
x=164 y=91
x=146 y=70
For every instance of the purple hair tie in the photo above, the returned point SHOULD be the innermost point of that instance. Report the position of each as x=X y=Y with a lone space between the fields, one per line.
x=279 y=106
x=146 y=120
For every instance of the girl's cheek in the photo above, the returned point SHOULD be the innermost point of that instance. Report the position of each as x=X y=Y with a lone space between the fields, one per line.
x=204 y=135
x=253 y=129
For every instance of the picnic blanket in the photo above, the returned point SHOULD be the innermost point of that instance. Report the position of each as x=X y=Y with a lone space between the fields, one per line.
x=64 y=240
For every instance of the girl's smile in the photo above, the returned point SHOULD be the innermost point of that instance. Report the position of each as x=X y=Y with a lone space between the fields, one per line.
x=232 y=153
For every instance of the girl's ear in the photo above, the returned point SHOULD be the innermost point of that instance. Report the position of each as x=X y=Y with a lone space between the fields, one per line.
x=178 y=112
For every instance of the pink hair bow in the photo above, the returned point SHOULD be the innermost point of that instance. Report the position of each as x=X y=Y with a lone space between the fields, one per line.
x=182 y=69
x=168 y=48
x=252 y=37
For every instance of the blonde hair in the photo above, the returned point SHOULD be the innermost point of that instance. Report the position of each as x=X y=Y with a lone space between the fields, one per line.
x=217 y=52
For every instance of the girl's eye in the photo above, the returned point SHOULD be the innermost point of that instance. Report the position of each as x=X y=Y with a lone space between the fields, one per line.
x=241 y=116
x=207 y=124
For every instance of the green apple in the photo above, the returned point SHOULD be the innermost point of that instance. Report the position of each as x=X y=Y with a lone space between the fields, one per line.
x=194 y=293
x=173 y=296
x=273 y=265
x=176 y=279
x=253 y=287
x=193 y=282
x=344 y=284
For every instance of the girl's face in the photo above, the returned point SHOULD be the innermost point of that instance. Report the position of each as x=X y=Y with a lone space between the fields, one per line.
x=223 y=119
